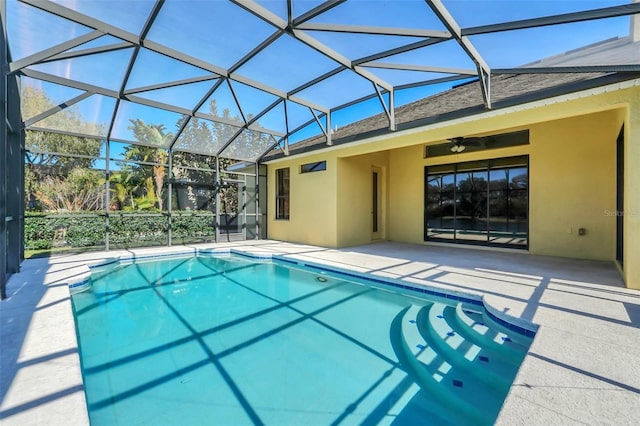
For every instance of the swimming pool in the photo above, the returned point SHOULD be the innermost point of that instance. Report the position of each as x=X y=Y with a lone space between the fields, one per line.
x=230 y=341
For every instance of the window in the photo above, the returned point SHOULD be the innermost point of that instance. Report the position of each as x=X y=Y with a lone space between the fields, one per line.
x=282 y=193
x=479 y=202
x=313 y=167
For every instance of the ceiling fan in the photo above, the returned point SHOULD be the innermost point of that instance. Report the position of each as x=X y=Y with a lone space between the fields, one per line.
x=459 y=143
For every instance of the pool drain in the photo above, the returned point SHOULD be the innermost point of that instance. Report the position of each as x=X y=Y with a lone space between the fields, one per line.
x=321 y=279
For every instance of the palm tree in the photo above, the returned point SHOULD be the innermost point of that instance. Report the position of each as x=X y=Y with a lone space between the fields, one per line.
x=152 y=135
x=124 y=189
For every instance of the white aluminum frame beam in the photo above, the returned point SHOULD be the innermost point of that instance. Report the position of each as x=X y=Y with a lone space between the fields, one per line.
x=39 y=75
x=134 y=56
x=194 y=112
x=247 y=125
x=397 y=50
x=318 y=10
x=262 y=13
x=373 y=95
x=566 y=18
x=374 y=30
x=405 y=67
x=484 y=71
x=171 y=84
x=388 y=110
x=307 y=39
x=53 y=51
x=431 y=82
x=56 y=109
x=87 y=52
x=79 y=18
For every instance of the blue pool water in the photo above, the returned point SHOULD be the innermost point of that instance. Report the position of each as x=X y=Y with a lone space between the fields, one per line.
x=227 y=341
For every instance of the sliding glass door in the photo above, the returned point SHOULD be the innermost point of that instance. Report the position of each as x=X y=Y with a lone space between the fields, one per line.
x=480 y=202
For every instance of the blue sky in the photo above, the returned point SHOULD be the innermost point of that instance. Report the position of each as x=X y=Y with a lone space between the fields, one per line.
x=221 y=34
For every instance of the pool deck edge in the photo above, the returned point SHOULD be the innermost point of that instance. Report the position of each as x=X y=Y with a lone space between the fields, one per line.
x=582 y=368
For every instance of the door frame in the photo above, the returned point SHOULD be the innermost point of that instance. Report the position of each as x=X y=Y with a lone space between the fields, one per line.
x=379 y=197
x=620 y=198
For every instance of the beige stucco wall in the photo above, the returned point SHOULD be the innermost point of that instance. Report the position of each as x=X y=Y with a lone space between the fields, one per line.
x=572 y=179
x=355 y=197
x=312 y=207
x=571 y=186
x=632 y=194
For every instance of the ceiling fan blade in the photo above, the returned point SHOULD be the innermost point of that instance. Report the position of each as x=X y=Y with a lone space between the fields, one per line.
x=475 y=140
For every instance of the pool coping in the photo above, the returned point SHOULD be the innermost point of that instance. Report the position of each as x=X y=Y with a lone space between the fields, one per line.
x=555 y=384
x=526 y=328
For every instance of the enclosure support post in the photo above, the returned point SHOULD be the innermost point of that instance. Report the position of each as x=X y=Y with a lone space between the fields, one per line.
x=218 y=183
x=107 y=197
x=256 y=198
x=169 y=192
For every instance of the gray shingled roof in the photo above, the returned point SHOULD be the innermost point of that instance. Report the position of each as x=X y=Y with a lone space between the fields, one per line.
x=460 y=101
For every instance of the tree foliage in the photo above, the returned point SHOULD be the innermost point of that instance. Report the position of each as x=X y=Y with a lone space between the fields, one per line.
x=82 y=189
x=58 y=173
x=43 y=147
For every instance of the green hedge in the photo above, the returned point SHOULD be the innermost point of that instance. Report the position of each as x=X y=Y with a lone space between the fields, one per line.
x=191 y=227
x=44 y=231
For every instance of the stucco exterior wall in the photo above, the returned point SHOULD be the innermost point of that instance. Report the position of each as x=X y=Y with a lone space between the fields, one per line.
x=631 y=271
x=355 y=198
x=313 y=200
x=572 y=155
x=573 y=185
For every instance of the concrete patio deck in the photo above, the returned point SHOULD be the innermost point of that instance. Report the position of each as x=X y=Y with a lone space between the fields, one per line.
x=583 y=366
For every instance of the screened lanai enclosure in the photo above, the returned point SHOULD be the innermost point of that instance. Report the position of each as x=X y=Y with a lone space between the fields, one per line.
x=148 y=122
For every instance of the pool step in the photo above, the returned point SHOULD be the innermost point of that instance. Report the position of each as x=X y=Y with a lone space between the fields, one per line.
x=452 y=387
x=437 y=325
x=419 y=349
x=488 y=333
x=518 y=342
x=477 y=332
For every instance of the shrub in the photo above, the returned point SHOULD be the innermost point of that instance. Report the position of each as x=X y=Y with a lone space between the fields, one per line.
x=44 y=231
